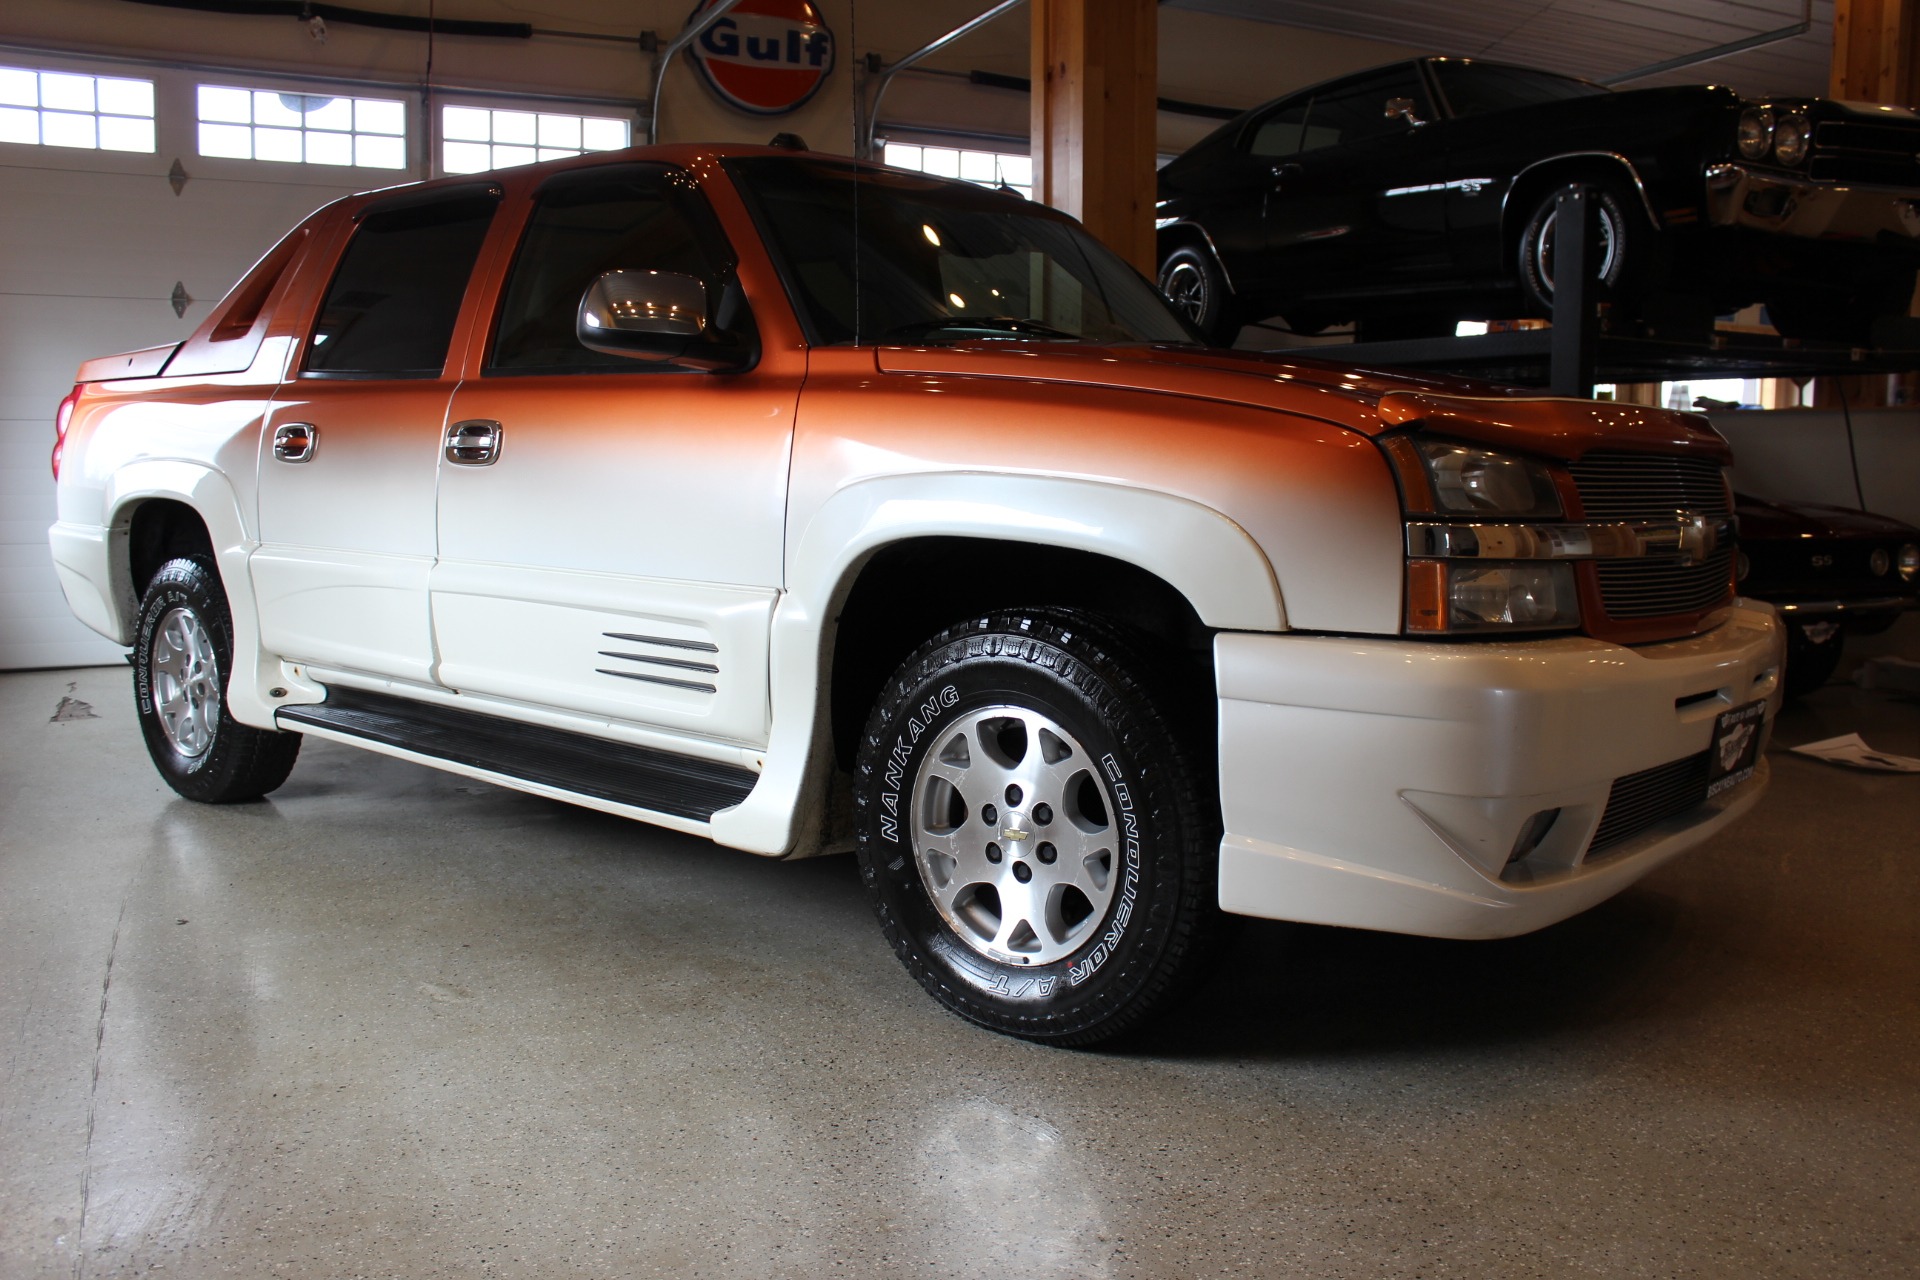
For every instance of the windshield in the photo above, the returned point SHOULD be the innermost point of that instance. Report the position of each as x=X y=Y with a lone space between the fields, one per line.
x=1476 y=88
x=878 y=256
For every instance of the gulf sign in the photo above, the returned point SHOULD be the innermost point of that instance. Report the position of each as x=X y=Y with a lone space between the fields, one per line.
x=764 y=56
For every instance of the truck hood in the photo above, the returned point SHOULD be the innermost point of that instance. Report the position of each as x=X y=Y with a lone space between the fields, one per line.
x=1371 y=401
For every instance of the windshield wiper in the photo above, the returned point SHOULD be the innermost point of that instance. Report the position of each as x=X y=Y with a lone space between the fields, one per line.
x=1012 y=326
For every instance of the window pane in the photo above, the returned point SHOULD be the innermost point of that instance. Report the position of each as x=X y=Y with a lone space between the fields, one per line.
x=282 y=110
x=231 y=106
x=977 y=166
x=65 y=92
x=329 y=148
x=586 y=226
x=375 y=115
x=514 y=126
x=277 y=144
x=58 y=129
x=234 y=141
x=942 y=162
x=18 y=124
x=127 y=97
x=1017 y=170
x=466 y=157
x=905 y=156
x=466 y=124
x=393 y=302
x=560 y=131
x=335 y=114
x=123 y=133
x=507 y=157
x=380 y=153
x=19 y=88
x=605 y=135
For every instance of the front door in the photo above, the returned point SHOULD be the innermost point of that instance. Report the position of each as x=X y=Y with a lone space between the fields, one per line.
x=350 y=454
x=616 y=550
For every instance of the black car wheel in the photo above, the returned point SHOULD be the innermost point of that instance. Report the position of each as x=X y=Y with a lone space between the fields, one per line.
x=182 y=660
x=1033 y=827
x=1193 y=283
x=1814 y=646
x=1618 y=236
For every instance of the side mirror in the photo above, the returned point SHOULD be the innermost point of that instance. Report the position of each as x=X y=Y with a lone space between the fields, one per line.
x=658 y=316
x=1403 y=107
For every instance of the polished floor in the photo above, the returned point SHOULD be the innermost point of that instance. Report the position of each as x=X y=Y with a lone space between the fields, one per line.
x=392 y=1023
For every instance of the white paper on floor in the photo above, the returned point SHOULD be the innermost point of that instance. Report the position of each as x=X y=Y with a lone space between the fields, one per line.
x=1850 y=750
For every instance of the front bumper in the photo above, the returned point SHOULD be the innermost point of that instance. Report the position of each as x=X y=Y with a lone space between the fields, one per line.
x=1801 y=208
x=1383 y=784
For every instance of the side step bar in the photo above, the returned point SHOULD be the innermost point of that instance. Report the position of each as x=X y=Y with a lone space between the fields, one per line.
x=683 y=786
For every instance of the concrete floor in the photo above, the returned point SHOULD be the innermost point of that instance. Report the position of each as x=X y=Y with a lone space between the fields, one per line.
x=393 y=1023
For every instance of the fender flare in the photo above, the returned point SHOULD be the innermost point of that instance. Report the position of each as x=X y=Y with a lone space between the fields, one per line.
x=213 y=498
x=1202 y=554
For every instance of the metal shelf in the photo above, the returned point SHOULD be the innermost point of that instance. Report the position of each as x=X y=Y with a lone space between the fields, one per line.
x=1577 y=352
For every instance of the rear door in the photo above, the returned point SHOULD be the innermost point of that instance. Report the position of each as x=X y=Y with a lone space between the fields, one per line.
x=618 y=551
x=350 y=453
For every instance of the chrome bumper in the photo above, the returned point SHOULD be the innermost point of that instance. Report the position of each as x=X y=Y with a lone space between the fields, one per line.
x=1787 y=206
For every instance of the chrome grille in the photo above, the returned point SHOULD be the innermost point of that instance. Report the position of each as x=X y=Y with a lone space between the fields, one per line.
x=1860 y=151
x=1640 y=800
x=1639 y=486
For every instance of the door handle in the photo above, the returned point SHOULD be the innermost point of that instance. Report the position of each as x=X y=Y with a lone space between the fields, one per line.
x=295 y=441
x=474 y=443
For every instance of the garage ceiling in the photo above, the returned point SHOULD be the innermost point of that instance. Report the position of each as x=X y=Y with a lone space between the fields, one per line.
x=1591 y=38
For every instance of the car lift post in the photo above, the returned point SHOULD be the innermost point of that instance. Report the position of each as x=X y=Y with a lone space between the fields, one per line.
x=1573 y=355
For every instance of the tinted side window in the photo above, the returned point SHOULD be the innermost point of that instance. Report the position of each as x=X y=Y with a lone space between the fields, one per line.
x=391 y=307
x=1282 y=133
x=1359 y=111
x=645 y=218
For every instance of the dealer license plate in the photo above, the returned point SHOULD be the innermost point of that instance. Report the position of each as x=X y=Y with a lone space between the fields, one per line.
x=1735 y=748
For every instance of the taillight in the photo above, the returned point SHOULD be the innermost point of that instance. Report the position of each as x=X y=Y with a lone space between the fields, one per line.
x=61 y=417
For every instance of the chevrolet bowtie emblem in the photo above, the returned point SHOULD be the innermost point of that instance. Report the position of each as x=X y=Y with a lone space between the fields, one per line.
x=1012 y=833
x=1700 y=537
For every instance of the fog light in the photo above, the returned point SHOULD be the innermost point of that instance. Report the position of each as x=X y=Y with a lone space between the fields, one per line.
x=1510 y=595
x=1532 y=834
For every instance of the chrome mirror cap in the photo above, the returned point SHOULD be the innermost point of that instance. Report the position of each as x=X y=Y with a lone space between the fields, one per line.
x=649 y=315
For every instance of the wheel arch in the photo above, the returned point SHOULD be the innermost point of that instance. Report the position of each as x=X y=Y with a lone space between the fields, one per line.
x=1201 y=572
x=1542 y=176
x=160 y=508
x=1190 y=235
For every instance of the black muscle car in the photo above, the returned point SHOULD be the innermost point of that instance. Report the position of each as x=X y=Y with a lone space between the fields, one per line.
x=1830 y=571
x=1417 y=194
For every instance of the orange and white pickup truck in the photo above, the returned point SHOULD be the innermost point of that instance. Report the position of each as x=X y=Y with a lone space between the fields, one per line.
x=803 y=504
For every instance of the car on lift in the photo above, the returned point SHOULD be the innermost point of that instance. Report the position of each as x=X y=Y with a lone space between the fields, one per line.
x=1830 y=571
x=1410 y=196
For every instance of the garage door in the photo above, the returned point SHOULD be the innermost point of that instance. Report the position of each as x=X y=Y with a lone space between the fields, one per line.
x=109 y=246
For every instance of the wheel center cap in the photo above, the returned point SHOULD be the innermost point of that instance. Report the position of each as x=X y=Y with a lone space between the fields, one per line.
x=1016 y=827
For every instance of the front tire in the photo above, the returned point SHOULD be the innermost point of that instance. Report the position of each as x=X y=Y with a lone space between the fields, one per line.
x=182 y=661
x=1034 y=830
x=1813 y=654
x=1620 y=246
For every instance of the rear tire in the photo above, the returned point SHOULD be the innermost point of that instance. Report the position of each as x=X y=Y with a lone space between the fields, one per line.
x=182 y=661
x=1035 y=828
x=1196 y=287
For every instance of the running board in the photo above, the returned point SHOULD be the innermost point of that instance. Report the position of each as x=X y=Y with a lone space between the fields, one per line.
x=683 y=786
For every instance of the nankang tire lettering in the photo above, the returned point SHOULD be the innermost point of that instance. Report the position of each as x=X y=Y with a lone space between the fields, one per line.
x=894 y=773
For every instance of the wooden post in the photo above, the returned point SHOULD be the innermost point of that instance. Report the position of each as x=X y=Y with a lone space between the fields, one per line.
x=1095 y=85
x=1876 y=58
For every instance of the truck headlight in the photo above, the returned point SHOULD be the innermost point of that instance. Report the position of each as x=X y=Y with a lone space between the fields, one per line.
x=1791 y=135
x=1755 y=137
x=1445 y=478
